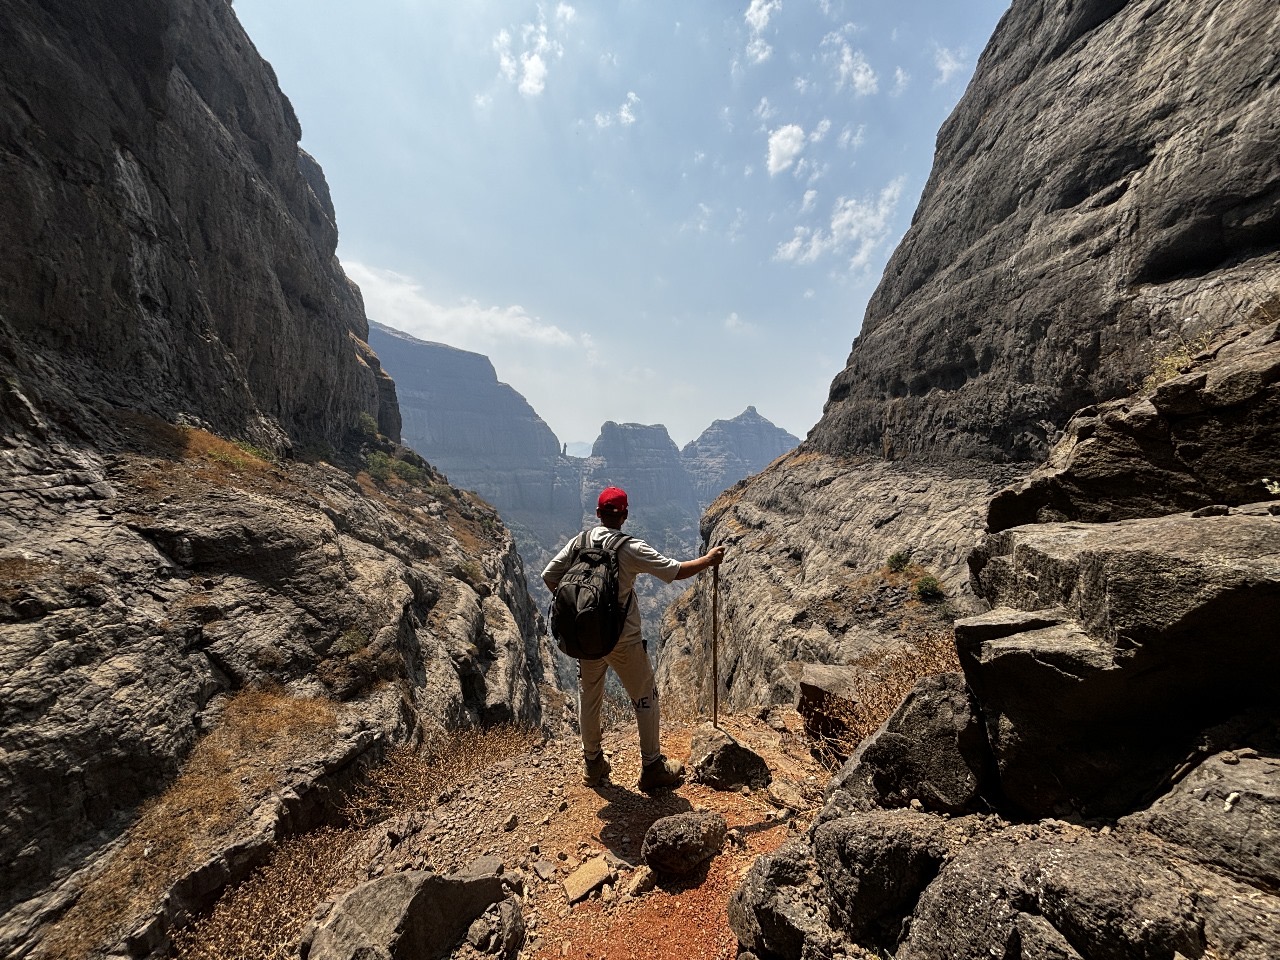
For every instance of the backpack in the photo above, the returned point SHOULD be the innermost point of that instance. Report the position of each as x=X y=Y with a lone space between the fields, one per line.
x=585 y=616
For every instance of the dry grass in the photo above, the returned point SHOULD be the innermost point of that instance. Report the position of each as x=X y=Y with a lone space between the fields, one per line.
x=263 y=918
x=1175 y=362
x=410 y=779
x=228 y=772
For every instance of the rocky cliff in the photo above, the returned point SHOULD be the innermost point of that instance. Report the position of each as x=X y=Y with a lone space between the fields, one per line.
x=729 y=450
x=181 y=361
x=1091 y=216
x=1097 y=777
x=1105 y=188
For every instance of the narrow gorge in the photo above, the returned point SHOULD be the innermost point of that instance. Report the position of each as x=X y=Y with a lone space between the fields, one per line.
x=256 y=551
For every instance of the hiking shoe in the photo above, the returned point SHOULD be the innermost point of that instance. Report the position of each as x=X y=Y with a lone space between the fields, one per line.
x=596 y=772
x=662 y=774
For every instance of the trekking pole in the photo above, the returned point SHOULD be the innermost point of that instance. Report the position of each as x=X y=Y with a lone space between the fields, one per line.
x=715 y=647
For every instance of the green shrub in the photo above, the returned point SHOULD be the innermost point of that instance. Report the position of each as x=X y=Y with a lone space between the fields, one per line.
x=366 y=425
x=379 y=466
x=929 y=589
x=898 y=561
x=409 y=473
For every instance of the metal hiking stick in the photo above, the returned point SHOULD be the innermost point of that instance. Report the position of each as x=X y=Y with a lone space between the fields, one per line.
x=715 y=647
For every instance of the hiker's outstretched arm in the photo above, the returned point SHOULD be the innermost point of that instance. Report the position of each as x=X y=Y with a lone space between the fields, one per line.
x=691 y=568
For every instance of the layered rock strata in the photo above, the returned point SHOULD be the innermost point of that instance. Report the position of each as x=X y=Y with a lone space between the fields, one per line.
x=729 y=450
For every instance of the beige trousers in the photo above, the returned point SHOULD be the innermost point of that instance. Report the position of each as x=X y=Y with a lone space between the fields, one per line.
x=631 y=663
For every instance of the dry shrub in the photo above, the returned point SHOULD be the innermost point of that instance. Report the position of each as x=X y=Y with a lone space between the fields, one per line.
x=261 y=732
x=409 y=779
x=884 y=682
x=1175 y=362
x=263 y=918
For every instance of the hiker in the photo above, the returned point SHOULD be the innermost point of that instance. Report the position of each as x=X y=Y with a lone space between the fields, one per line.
x=629 y=659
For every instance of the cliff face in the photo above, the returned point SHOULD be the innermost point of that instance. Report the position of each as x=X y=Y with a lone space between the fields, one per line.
x=163 y=240
x=1090 y=210
x=1105 y=187
x=180 y=354
x=483 y=434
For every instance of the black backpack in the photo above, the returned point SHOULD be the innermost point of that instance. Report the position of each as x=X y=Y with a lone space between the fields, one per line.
x=586 y=618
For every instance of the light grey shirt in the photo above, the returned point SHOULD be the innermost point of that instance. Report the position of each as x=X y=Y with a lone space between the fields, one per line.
x=634 y=558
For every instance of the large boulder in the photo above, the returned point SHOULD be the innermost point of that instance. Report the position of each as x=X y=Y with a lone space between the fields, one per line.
x=1207 y=436
x=1142 y=633
x=932 y=753
x=406 y=916
x=922 y=887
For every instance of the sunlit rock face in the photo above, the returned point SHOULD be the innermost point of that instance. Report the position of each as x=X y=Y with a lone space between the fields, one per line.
x=1105 y=202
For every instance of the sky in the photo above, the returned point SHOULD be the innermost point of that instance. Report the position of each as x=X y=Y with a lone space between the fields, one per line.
x=643 y=211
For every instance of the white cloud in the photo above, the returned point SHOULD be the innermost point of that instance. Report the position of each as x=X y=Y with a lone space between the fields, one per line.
x=627 y=112
x=506 y=62
x=785 y=145
x=858 y=228
x=809 y=197
x=757 y=16
x=399 y=301
x=765 y=110
x=736 y=325
x=820 y=131
x=529 y=67
x=949 y=63
x=852 y=68
x=533 y=79
x=625 y=116
x=852 y=137
x=901 y=80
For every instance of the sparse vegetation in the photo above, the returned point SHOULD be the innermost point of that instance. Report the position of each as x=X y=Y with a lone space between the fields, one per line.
x=885 y=682
x=1174 y=362
x=367 y=426
x=898 y=561
x=260 y=734
x=928 y=589
x=1273 y=486
x=383 y=468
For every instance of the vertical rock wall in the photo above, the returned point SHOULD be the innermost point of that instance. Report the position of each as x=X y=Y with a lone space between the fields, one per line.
x=159 y=242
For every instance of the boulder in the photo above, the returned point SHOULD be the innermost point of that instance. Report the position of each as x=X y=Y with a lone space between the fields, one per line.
x=827 y=698
x=1225 y=813
x=680 y=844
x=932 y=752
x=721 y=762
x=404 y=916
x=777 y=910
x=1207 y=436
x=874 y=867
x=1142 y=633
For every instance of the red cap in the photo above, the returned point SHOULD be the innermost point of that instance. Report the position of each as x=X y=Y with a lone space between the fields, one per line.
x=613 y=499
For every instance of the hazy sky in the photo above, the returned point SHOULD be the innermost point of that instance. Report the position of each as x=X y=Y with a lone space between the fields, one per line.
x=644 y=211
